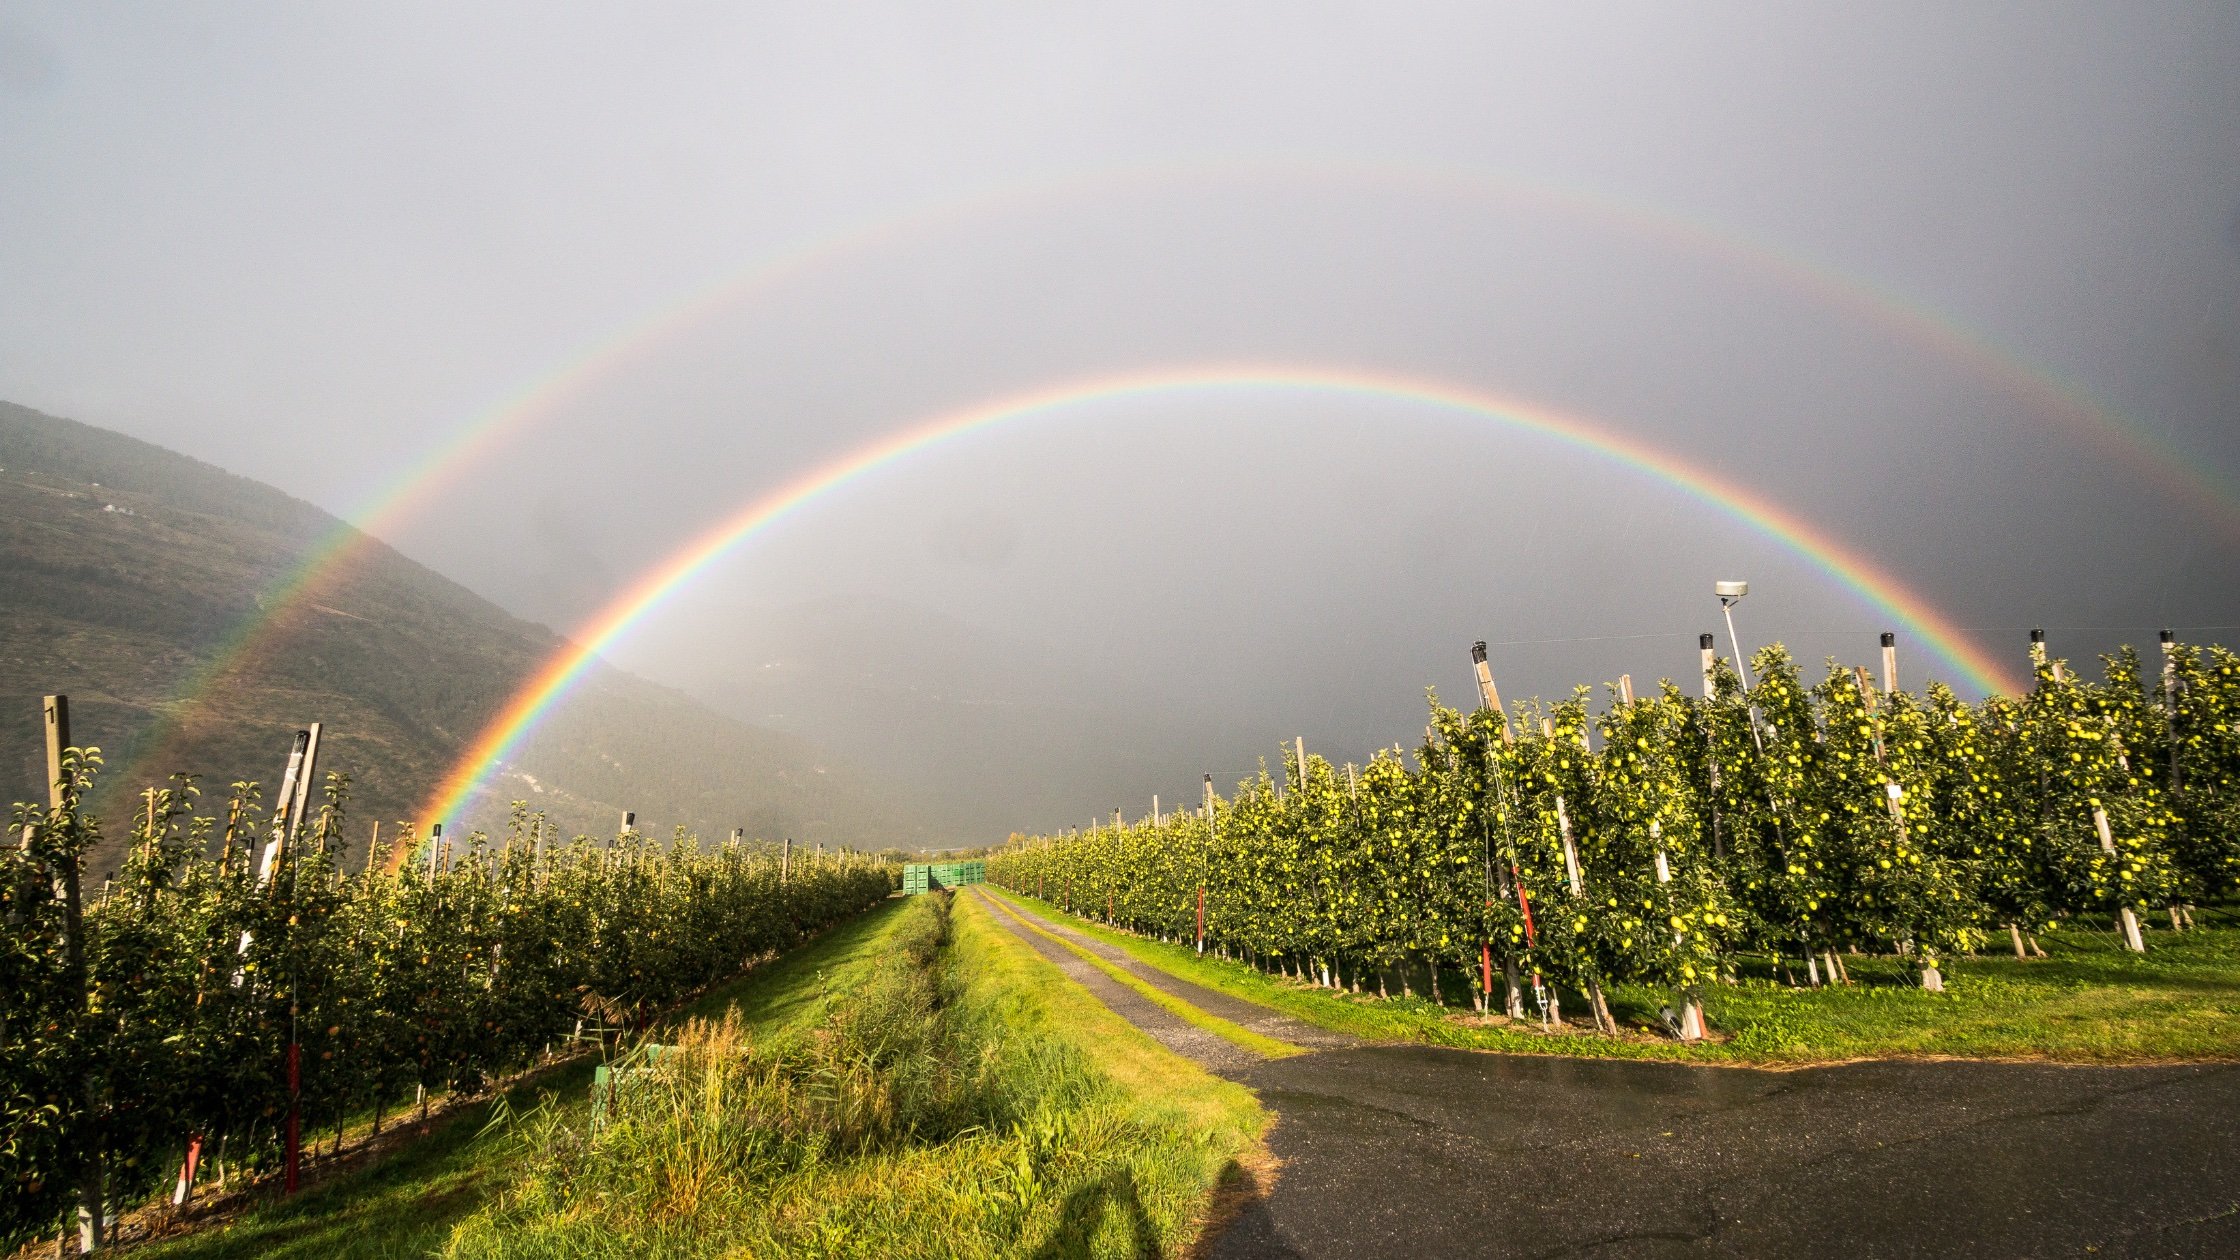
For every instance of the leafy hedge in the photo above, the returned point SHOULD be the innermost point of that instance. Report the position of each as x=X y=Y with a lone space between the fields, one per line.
x=1839 y=816
x=195 y=974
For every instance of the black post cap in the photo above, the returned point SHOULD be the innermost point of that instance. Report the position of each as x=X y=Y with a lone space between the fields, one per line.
x=2169 y=636
x=1889 y=639
x=1478 y=652
x=1703 y=641
x=2037 y=636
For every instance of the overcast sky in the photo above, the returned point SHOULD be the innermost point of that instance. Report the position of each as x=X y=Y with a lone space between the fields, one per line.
x=311 y=242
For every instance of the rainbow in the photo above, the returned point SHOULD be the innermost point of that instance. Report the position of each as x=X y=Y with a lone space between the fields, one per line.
x=407 y=495
x=553 y=681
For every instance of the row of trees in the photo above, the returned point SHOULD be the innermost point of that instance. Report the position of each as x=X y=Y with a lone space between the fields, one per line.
x=1652 y=843
x=232 y=987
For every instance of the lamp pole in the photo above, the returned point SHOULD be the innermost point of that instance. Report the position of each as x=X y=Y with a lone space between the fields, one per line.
x=1730 y=594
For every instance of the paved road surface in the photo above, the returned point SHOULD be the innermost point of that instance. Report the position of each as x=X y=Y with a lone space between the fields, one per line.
x=1422 y=1152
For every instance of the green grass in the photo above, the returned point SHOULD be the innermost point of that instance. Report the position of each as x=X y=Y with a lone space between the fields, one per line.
x=408 y=1203
x=955 y=1095
x=1264 y=1046
x=2088 y=1002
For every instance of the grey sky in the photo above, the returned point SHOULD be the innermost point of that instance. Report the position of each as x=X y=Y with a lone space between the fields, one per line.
x=306 y=243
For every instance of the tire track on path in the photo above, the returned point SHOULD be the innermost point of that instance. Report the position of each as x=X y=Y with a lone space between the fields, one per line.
x=1252 y=1016
x=1207 y=1049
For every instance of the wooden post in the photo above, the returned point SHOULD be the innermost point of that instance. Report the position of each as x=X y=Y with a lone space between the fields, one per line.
x=2170 y=705
x=1710 y=657
x=1155 y=819
x=92 y=1196
x=1889 y=663
x=2038 y=656
x=1489 y=695
x=2131 y=938
x=373 y=846
x=629 y=824
x=1212 y=834
x=283 y=810
x=785 y=861
x=435 y=844
x=1570 y=849
x=1625 y=689
x=306 y=782
x=1299 y=744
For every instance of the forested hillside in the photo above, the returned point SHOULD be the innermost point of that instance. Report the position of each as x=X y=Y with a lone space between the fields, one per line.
x=128 y=569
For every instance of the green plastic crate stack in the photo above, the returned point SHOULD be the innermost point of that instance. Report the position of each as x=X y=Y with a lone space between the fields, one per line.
x=918 y=877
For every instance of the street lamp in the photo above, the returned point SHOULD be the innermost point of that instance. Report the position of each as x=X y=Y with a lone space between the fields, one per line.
x=1730 y=594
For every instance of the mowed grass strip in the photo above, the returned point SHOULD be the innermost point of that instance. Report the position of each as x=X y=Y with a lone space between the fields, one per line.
x=1265 y=1046
x=2087 y=1002
x=959 y=1097
x=407 y=1202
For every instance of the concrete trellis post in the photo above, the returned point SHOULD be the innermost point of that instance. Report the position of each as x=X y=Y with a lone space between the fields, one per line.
x=2130 y=921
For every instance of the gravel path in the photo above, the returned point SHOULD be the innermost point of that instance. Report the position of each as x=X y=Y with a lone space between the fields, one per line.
x=1423 y=1152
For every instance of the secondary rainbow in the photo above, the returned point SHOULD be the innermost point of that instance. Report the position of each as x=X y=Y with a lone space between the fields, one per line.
x=551 y=683
x=405 y=496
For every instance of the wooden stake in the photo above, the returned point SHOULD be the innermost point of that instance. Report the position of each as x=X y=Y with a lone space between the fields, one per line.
x=1890 y=662
x=2170 y=704
x=1625 y=689
x=1489 y=695
x=1710 y=656
x=2131 y=938
x=92 y=1196
x=785 y=861
x=283 y=810
x=300 y=807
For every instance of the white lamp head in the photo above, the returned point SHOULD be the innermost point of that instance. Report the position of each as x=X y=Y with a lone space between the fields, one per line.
x=1730 y=590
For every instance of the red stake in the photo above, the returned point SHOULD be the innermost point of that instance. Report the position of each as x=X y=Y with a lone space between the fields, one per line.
x=1524 y=904
x=1485 y=966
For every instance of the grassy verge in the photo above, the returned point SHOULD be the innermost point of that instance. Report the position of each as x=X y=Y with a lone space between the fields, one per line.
x=2088 y=1002
x=956 y=1097
x=1266 y=1047
x=408 y=1202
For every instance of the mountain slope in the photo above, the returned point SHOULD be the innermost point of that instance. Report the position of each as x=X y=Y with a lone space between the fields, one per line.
x=128 y=568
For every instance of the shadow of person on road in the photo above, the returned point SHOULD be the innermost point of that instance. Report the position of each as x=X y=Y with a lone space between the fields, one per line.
x=1238 y=1221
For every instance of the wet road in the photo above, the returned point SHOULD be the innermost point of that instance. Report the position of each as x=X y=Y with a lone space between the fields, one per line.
x=1423 y=1152
x=1416 y=1151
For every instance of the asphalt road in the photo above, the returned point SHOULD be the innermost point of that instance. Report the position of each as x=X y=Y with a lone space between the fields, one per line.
x=1423 y=1152
x=1393 y=1150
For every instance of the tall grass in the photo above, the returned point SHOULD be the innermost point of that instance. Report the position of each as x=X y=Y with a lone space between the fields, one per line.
x=918 y=1116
